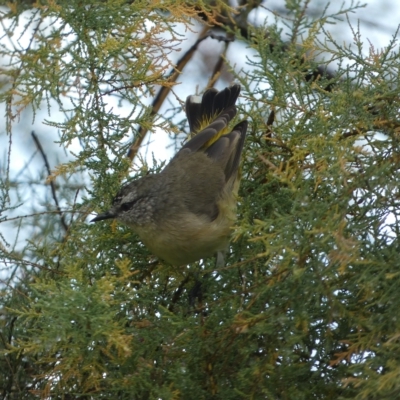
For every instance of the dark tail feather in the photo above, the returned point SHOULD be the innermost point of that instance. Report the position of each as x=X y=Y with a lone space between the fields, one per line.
x=212 y=104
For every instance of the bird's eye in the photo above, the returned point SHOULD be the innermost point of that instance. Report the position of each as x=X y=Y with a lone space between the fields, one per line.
x=127 y=206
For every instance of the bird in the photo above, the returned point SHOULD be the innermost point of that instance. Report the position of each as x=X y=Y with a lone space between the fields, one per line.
x=186 y=212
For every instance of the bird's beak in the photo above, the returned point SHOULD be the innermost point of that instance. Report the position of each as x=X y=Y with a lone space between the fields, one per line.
x=105 y=215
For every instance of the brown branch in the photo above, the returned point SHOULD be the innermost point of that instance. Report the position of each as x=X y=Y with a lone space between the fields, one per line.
x=164 y=91
x=239 y=22
x=270 y=122
x=221 y=59
x=178 y=293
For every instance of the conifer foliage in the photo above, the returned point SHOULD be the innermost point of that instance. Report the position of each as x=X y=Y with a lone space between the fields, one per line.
x=307 y=305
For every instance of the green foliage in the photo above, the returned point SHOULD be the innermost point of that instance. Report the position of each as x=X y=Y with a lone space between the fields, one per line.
x=307 y=304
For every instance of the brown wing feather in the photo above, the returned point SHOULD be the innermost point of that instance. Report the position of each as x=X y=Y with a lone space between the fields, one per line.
x=226 y=151
x=206 y=163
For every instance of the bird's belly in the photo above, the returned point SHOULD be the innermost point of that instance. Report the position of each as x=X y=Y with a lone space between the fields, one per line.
x=180 y=242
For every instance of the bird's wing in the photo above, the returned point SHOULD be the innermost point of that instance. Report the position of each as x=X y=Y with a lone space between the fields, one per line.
x=226 y=151
x=207 y=136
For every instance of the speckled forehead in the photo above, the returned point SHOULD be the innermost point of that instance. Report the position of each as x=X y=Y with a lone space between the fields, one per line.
x=130 y=195
x=125 y=194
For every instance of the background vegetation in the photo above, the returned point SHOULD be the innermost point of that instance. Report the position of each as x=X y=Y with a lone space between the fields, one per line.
x=307 y=306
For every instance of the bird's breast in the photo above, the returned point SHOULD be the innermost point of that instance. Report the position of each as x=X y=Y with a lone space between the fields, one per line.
x=188 y=238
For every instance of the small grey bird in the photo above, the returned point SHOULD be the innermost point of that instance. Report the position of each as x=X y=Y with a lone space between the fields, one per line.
x=186 y=212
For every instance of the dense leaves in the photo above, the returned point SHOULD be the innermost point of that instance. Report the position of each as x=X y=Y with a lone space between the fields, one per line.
x=307 y=304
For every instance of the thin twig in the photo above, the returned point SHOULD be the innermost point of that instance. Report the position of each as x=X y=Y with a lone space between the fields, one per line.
x=53 y=189
x=267 y=162
x=39 y=213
